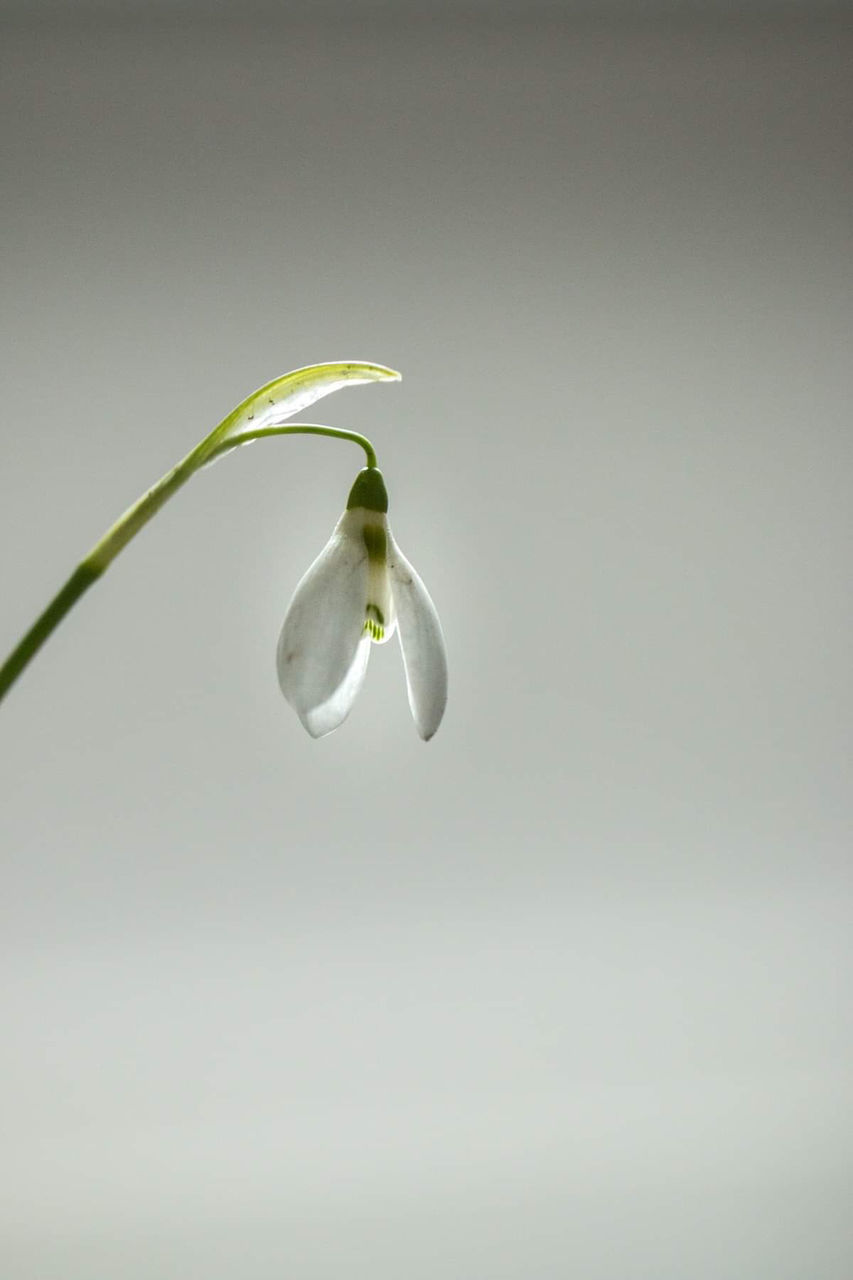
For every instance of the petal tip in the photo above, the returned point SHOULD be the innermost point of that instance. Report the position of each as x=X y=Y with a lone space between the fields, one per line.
x=428 y=731
x=315 y=731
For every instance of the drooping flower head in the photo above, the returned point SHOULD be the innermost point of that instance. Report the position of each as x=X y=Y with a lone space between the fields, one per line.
x=358 y=592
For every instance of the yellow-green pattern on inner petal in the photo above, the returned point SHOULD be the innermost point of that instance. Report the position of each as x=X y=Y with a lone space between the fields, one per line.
x=379 y=621
x=374 y=622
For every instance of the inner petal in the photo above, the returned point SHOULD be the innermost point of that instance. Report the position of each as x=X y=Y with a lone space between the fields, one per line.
x=380 y=618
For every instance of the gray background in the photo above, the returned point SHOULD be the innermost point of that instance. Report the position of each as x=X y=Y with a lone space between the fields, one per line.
x=566 y=992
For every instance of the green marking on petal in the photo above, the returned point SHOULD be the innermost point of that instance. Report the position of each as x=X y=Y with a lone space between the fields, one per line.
x=375 y=540
x=374 y=622
x=374 y=629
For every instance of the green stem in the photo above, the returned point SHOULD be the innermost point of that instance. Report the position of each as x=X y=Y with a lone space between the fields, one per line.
x=128 y=525
x=82 y=578
x=296 y=428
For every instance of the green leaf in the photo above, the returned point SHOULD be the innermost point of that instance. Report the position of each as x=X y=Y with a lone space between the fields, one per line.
x=291 y=393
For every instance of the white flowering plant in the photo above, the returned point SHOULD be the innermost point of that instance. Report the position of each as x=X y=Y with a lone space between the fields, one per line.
x=359 y=591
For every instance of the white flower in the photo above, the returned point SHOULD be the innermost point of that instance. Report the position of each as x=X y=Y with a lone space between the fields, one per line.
x=359 y=590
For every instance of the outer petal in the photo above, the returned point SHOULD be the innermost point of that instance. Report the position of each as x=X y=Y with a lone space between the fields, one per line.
x=422 y=642
x=329 y=715
x=321 y=658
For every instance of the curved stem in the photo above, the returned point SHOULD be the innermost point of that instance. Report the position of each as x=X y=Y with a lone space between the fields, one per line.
x=295 y=428
x=128 y=525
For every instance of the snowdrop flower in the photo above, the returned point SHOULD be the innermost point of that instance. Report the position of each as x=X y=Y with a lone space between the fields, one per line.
x=359 y=590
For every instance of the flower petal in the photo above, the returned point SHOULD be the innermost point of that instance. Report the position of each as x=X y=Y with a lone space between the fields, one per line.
x=331 y=714
x=318 y=654
x=422 y=642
